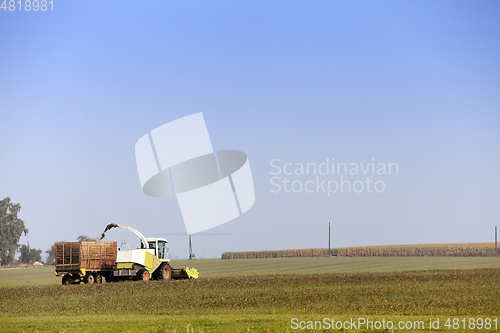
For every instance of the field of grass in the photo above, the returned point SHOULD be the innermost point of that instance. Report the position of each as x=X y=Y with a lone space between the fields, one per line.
x=209 y=268
x=217 y=267
x=256 y=295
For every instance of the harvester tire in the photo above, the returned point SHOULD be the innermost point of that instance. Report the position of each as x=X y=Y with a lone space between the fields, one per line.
x=143 y=275
x=164 y=272
x=89 y=278
x=97 y=278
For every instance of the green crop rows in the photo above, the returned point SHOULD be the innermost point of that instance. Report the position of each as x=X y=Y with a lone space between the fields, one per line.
x=440 y=250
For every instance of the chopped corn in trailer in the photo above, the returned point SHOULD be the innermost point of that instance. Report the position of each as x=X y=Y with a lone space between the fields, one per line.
x=90 y=262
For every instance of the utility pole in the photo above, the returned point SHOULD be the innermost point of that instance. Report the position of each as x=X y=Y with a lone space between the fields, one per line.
x=329 y=238
x=191 y=254
x=496 y=240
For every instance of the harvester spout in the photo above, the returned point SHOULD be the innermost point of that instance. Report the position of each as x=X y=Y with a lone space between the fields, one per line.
x=138 y=233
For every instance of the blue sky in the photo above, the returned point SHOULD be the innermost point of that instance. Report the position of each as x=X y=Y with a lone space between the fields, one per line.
x=414 y=83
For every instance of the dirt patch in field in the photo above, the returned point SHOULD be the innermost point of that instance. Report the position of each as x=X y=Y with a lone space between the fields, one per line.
x=19 y=266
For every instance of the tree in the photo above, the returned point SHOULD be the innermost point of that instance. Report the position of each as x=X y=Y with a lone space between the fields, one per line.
x=11 y=229
x=51 y=255
x=29 y=256
x=83 y=238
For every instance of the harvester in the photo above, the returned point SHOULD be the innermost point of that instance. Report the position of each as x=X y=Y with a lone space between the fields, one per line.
x=91 y=261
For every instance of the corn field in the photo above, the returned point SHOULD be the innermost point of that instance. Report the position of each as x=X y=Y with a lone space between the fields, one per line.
x=430 y=250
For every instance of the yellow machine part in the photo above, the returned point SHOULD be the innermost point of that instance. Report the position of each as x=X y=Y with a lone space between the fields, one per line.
x=122 y=265
x=191 y=272
x=152 y=262
x=126 y=259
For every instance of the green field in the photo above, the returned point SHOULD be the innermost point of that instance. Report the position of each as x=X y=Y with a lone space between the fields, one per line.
x=257 y=295
x=209 y=268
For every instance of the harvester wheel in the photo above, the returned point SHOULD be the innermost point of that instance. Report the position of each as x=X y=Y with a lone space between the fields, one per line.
x=97 y=278
x=143 y=275
x=164 y=272
x=67 y=279
x=89 y=278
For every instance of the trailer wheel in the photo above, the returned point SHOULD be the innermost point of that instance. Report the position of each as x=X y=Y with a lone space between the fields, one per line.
x=97 y=278
x=89 y=278
x=164 y=272
x=143 y=275
x=67 y=280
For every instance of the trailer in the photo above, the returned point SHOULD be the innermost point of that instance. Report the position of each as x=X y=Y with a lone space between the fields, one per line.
x=85 y=261
x=90 y=262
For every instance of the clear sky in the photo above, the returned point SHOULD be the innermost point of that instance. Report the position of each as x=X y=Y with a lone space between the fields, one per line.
x=415 y=83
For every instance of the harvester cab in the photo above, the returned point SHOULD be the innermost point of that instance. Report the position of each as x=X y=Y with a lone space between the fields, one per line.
x=159 y=245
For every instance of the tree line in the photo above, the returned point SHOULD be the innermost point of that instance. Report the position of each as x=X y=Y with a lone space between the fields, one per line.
x=11 y=230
